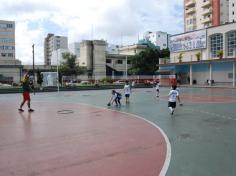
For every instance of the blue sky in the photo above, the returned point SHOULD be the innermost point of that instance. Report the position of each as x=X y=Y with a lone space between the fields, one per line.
x=116 y=21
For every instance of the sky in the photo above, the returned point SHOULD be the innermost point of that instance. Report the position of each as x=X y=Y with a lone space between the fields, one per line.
x=116 y=21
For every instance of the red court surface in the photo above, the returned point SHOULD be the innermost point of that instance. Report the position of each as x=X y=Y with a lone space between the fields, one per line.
x=84 y=141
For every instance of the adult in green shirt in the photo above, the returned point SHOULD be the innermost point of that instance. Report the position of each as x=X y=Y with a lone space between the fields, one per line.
x=26 y=93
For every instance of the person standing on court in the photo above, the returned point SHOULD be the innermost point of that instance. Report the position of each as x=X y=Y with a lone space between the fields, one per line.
x=127 y=91
x=26 y=93
x=173 y=95
x=157 y=87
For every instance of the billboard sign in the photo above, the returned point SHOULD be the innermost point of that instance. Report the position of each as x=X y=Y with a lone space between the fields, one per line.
x=188 y=41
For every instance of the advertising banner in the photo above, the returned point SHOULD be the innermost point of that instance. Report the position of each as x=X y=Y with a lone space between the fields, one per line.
x=188 y=41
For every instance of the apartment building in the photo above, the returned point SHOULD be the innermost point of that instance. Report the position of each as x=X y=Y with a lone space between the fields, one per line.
x=10 y=67
x=199 y=14
x=232 y=10
x=51 y=44
x=7 y=40
x=158 y=38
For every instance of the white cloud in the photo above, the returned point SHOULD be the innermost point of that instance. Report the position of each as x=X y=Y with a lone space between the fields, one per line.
x=117 y=21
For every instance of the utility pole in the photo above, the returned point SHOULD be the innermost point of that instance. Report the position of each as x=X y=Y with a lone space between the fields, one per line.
x=33 y=69
x=33 y=57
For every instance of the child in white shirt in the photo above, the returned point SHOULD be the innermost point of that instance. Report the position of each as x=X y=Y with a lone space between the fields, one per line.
x=127 y=91
x=173 y=95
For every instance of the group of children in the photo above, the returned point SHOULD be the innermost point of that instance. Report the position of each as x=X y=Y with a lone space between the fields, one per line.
x=116 y=96
x=173 y=96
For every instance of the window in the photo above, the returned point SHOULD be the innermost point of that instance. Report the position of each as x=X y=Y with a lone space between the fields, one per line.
x=9 y=25
x=10 y=54
x=6 y=33
x=216 y=44
x=119 y=62
x=108 y=61
x=6 y=40
x=3 y=54
x=231 y=38
x=233 y=4
x=128 y=61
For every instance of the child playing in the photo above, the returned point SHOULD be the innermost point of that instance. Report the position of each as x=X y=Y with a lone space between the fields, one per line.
x=157 y=89
x=26 y=93
x=127 y=92
x=173 y=94
x=116 y=96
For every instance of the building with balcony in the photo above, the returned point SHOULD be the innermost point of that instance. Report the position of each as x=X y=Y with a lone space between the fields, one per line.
x=205 y=13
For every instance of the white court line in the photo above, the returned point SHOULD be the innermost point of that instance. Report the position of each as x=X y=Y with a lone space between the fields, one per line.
x=168 y=146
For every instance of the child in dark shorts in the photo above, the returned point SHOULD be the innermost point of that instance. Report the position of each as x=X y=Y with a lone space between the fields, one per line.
x=173 y=95
x=116 y=97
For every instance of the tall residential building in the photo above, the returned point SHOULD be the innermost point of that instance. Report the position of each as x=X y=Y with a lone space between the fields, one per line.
x=10 y=67
x=53 y=43
x=199 y=14
x=75 y=48
x=158 y=38
x=232 y=10
x=7 y=40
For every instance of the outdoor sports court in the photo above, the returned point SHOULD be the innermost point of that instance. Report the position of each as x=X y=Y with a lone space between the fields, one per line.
x=75 y=133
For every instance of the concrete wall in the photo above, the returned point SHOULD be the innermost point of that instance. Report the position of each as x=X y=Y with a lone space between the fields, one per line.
x=99 y=59
x=188 y=56
x=86 y=54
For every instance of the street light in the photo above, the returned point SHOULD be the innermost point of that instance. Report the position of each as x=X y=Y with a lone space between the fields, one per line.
x=33 y=69
x=126 y=67
x=57 y=74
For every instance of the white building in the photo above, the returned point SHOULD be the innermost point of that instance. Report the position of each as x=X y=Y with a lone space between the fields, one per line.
x=52 y=43
x=57 y=56
x=75 y=48
x=158 y=38
x=232 y=10
x=203 y=55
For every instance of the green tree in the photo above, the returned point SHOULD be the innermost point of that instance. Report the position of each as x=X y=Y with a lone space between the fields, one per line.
x=68 y=66
x=146 y=62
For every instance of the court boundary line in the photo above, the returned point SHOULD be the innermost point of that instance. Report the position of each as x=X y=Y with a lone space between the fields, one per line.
x=168 y=145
